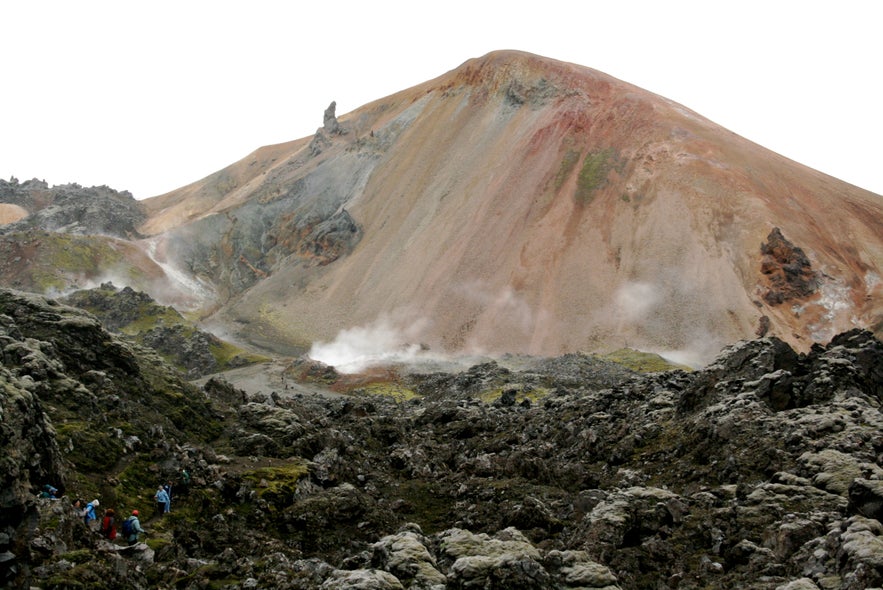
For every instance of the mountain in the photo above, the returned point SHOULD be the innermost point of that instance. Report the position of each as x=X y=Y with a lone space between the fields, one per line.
x=520 y=204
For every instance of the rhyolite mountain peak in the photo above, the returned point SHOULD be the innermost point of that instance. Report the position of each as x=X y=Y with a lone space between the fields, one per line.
x=521 y=204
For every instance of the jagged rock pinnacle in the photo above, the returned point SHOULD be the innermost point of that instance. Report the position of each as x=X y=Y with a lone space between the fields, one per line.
x=330 y=125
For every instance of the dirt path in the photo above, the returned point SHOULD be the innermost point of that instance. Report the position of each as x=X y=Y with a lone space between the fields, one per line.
x=265 y=378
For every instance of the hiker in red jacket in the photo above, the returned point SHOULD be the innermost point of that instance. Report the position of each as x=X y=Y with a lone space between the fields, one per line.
x=108 y=525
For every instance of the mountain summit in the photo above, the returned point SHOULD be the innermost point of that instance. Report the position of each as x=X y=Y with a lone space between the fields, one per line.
x=522 y=204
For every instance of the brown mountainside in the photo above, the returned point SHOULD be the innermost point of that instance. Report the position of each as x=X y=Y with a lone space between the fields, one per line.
x=521 y=204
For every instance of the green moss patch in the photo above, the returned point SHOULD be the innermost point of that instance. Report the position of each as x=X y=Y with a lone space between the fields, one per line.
x=228 y=355
x=531 y=394
x=134 y=481
x=157 y=543
x=399 y=393
x=277 y=484
x=568 y=162
x=593 y=174
x=149 y=316
x=643 y=362
x=79 y=556
x=421 y=504
x=91 y=450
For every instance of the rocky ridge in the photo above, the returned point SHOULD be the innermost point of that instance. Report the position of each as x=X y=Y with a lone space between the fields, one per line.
x=71 y=208
x=181 y=343
x=761 y=470
x=65 y=237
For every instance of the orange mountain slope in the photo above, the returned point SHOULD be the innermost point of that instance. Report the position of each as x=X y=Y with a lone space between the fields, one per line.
x=521 y=204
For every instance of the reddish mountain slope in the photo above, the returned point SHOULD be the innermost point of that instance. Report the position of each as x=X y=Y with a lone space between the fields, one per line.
x=523 y=204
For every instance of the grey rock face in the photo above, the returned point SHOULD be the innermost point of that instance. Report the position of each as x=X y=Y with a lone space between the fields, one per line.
x=330 y=124
x=74 y=209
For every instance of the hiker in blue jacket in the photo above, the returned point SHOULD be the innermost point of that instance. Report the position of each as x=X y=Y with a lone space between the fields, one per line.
x=132 y=527
x=90 y=519
x=163 y=501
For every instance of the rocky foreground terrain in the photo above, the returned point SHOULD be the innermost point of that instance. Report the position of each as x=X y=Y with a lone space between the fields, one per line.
x=762 y=470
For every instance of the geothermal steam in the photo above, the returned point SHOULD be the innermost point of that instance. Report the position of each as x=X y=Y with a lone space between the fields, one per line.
x=384 y=341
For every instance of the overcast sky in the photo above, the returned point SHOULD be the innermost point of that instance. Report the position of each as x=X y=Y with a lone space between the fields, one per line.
x=150 y=96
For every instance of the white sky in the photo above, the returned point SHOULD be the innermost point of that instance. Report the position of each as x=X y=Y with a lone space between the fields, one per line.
x=150 y=96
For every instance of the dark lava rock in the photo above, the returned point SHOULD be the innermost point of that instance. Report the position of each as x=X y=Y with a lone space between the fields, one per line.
x=160 y=327
x=71 y=208
x=787 y=269
x=761 y=470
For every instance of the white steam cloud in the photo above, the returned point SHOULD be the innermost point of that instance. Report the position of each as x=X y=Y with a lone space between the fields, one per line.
x=185 y=291
x=80 y=282
x=703 y=349
x=635 y=301
x=648 y=312
x=384 y=341
x=505 y=308
x=505 y=303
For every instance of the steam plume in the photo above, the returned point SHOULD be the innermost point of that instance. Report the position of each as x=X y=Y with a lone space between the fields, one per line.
x=384 y=341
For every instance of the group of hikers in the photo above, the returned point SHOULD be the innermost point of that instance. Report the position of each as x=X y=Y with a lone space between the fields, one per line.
x=130 y=529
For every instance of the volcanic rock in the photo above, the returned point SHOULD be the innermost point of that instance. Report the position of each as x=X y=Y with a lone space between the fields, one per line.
x=71 y=208
x=686 y=479
x=787 y=269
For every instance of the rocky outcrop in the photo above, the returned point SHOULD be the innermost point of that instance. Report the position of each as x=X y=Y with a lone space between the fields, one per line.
x=325 y=134
x=788 y=271
x=330 y=124
x=162 y=328
x=77 y=405
x=117 y=308
x=328 y=239
x=31 y=455
x=73 y=209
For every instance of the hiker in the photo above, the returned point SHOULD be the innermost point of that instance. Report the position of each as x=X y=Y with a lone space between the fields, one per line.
x=163 y=501
x=108 y=526
x=132 y=527
x=90 y=519
x=184 y=488
x=50 y=492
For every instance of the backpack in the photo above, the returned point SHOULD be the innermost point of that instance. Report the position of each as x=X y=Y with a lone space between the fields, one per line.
x=127 y=527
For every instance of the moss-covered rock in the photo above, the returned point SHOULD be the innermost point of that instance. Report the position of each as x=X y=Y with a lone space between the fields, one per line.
x=667 y=475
